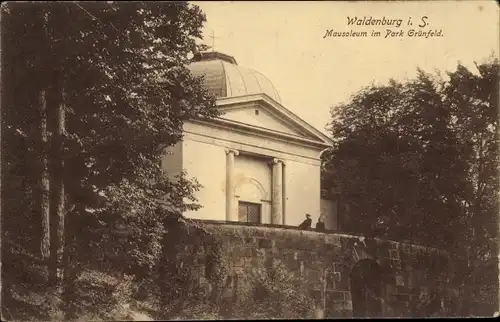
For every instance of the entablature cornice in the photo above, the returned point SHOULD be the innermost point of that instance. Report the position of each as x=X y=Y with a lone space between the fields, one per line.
x=261 y=132
x=228 y=144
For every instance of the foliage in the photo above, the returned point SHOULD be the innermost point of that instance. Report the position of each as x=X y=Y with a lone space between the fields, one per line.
x=120 y=69
x=393 y=160
x=418 y=160
x=187 y=244
x=473 y=101
x=273 y=292
x=95 y=296
x=269 y=290
x=128 y=91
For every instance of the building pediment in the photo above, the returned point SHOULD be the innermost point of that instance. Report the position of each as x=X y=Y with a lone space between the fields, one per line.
x=262 y=114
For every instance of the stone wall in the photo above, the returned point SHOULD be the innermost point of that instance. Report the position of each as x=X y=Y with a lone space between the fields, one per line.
x=416 y=280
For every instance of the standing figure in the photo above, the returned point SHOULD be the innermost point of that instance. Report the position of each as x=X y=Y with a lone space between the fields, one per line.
x=320 y=225
x=306 y=224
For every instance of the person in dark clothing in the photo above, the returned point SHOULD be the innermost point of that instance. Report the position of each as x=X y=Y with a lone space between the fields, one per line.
x=320 y=225
x=306 y=224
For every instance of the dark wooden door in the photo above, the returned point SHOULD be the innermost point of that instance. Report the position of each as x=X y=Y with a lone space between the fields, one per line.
x=249 y=212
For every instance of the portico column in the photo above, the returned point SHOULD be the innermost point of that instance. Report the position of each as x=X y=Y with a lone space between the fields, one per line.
x=230 y=185
x=277 y=202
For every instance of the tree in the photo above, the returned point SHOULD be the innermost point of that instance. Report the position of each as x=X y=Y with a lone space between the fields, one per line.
x=473 y=101
x=392 y=158
x=418 y=160
x=118 y=73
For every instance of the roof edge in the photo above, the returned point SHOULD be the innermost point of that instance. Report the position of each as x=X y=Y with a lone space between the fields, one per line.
x=227 y=101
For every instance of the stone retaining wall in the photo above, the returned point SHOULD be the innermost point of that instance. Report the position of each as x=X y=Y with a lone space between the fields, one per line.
x=417 y=280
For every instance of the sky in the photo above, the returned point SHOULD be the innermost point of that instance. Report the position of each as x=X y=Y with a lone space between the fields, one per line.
x=285 y=42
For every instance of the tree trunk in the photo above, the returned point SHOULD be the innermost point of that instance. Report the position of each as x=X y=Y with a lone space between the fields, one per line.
x=58 y=195
x=61 y=206
x=70 y=269
x=45 y=185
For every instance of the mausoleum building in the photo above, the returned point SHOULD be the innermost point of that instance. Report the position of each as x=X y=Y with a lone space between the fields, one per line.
x=258 y=162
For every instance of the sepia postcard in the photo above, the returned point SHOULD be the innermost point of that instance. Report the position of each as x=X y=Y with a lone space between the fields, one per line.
x=207 y=160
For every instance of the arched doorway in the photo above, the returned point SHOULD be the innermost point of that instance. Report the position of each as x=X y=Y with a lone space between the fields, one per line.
x=366 y=289
x=251 y=198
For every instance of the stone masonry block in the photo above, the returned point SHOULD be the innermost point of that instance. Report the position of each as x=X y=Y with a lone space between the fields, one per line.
x=265 y=243
x=313 y=274
x=317 y=286
x=315 y=256
x=318 y=264
x=274 y=252
x=289 y=259
x=292 y=243
x=308 y=245
x=338 y=267
x=305 y=256
x=332 y=279
x=257 y=262
x=330 y=285
x=316 y=295
x=406 y=248
x=248 y=262
x=400 y=280
x=330 y=266
x=239 y=262
x=201 y=270
x=333 y=256
x=338 y=305
x=335 y=296
x=403 y=289
x=228 y=293
x=200 y=260
x=254 y=232
x=281 y=244
x=247 y=252
x=384 y=252
x=391 y=289
x=249 y=240
x=332 y=239
x=415 y=290
x=335 y=276
x=332 y=247
x=343 y=284
x=394 y=254
x=239 y=251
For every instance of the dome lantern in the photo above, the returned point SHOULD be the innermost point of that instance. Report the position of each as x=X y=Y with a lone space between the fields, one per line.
x=211 y=55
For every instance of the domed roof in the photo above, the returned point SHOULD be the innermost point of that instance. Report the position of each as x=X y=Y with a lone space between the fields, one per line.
x=224 y=78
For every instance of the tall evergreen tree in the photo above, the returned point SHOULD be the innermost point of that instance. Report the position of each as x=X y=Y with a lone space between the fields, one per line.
x=92 y=93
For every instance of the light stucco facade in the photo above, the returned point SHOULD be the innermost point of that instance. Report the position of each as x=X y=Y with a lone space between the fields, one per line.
x=257 y=161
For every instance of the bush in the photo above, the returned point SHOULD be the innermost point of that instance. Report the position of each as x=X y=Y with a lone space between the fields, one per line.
x=273 y=292
x=101 y=296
